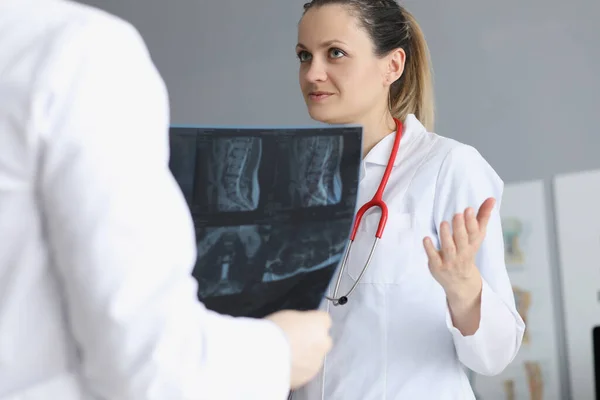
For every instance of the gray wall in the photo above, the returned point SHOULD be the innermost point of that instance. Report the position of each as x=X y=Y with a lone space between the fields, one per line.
x=517 y=79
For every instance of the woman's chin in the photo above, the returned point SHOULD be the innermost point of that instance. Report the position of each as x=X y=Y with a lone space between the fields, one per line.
x=326 y=117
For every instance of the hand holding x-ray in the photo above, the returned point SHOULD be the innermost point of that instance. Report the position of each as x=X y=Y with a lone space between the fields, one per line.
x=308 y=335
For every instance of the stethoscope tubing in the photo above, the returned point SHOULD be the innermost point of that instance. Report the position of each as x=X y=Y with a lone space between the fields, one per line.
x=376 y=201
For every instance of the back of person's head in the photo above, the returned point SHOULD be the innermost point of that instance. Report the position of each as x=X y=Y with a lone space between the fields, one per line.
x=390 y=26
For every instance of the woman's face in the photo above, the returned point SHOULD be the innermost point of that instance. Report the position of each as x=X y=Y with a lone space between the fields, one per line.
x=341 y=78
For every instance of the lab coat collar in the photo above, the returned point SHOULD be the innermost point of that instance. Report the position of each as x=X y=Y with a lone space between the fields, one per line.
x=380 y=154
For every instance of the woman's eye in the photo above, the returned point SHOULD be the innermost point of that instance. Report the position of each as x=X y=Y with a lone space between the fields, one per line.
x=303 y=56
x=336 y=53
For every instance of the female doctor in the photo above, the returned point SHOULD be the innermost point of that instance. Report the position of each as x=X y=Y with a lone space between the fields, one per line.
x=435 y=298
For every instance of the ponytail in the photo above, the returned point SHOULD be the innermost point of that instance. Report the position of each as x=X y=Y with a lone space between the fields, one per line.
x=413 y=92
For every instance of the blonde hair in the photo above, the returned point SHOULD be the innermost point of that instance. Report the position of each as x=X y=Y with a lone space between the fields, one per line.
x=413 y=92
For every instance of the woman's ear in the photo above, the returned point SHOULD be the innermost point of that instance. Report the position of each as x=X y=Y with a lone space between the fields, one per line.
x=395 y=65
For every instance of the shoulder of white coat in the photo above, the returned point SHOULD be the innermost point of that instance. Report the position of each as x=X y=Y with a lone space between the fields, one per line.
x=457 y=160
x=43 y=32
x=67 y=15
x=86 y=19
x=70 y=32
x=48 y=23
x=87 y=44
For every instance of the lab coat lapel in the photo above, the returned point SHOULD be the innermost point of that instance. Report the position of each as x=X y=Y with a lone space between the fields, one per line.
x=380 y=154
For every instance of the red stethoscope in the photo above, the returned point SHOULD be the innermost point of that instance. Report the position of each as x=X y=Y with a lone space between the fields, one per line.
x=376 y=201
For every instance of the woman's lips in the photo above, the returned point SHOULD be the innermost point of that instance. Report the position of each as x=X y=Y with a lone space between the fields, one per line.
x=319 y=96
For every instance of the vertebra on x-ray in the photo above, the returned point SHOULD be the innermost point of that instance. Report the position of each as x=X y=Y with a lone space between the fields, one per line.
x=315 y=171
x=233 y=173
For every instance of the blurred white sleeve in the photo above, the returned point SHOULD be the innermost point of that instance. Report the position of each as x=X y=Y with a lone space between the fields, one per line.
x=122 y=240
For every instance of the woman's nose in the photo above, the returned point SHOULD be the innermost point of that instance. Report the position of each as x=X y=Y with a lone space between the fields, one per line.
x=316 y=72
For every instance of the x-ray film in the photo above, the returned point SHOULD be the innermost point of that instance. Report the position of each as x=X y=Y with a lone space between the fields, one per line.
x=272 y=209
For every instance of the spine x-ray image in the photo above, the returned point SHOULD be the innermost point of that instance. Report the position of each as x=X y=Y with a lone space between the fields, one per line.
x=272 y=209
x=233 y=174
x=315 y=171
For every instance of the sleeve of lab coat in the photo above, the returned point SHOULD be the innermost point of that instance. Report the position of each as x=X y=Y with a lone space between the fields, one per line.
x=122 y=240
x=466 y=179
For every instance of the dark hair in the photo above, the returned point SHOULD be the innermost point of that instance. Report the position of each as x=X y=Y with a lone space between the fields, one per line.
x=391 y=27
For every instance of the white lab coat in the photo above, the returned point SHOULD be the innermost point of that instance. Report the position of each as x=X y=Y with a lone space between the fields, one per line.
x=394 y=339
x=96 y=241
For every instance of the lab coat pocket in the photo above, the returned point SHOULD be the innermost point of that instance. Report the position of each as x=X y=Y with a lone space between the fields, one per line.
x=392 y=256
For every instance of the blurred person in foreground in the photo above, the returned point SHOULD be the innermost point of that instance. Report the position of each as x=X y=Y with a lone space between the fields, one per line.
x=97 y=244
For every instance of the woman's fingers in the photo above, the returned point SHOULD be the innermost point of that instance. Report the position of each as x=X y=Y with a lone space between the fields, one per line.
x=435 y=261
x=447 y=242
x=459 y=229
